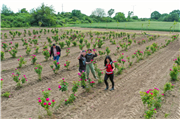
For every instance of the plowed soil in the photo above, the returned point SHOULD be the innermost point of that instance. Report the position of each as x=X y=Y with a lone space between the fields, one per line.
x=122 y=103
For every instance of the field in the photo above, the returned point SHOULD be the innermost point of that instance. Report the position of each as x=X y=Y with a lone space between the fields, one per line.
x=154 y=26
x=124 y=102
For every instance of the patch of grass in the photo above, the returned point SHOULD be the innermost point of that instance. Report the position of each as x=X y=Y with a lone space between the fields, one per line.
x=154 y=26
x=166 y=115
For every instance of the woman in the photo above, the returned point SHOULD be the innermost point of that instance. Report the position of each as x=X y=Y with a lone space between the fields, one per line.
x=109 y=66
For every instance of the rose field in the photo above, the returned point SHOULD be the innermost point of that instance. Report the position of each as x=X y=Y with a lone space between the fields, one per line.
x=146 y=75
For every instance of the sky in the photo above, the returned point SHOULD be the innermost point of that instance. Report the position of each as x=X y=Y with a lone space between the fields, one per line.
x=142 y=8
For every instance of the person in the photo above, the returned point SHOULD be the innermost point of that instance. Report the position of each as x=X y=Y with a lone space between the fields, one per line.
x=109 y=66
x=89 y=57
x=82 y=61
x=56 y=52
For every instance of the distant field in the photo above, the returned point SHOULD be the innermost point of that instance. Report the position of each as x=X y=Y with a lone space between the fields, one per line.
x=154 y=26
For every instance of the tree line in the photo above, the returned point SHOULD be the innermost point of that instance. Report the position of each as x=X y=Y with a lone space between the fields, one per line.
x=45 y=16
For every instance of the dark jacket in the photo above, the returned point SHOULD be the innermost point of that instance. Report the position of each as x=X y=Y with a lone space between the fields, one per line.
x=58 y=50
x=82 y=63
x=90 y=57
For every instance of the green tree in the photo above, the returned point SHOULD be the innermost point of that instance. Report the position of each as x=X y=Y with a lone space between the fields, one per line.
x=44 y=14
x=6 y=11
x=23 y=10
x=76 y=13
x=99 y=12
x=155 y=15
x=120 y=17
x=135 y=17
x=129 y=14
x=111 y=12
x=175 y=11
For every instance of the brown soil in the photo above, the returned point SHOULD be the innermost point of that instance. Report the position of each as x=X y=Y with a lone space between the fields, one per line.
x=123 y=102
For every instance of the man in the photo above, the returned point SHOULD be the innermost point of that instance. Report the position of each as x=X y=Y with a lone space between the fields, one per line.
x=89 y=57
x=56 y=52
x=82 y=61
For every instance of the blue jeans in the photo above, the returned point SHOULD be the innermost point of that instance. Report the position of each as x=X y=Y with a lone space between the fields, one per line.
x=56 y=58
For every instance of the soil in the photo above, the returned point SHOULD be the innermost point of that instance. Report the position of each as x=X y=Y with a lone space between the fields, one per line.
x=124 y=102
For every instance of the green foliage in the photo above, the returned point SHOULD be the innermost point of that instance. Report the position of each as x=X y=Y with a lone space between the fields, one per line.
x=21 y=61
x=168 y=86
x=56 y=65
x=17 y=79
x=2 y=55
x=28 y=50
x=63 y=85
x=38 y=69
x=174 y=73
x=62 y=44
x=13 y=52
x=74 y=43
x=81 y=46
x=46 y=54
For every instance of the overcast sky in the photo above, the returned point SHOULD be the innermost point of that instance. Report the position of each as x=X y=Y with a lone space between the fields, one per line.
x=142 y=8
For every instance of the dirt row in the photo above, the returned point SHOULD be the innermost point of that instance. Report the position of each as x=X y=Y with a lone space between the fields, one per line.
x=23 y=103
x=125 y=101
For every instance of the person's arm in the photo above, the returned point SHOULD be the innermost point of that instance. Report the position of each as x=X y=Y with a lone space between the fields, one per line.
x=79 y=55
x=103 y=69
x=113 y=66
x=95 y=55
x=50 y=52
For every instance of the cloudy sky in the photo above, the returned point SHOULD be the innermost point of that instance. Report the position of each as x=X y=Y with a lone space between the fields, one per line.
x=142 y=8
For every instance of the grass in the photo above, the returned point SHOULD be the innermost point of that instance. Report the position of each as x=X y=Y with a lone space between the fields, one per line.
x=154 y=26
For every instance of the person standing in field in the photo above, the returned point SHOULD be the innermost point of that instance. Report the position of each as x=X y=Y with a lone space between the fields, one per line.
x=82 y=61
x=109 y=66
x=56 y=52
x=89 y=57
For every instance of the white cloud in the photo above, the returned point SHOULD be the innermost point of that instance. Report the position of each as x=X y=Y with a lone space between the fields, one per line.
x=142 y=8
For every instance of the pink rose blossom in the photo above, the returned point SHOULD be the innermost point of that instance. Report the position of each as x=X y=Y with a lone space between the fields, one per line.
x=162 y=94
x=53 y=100
x=49 y=103
x=65 y=99
x=40 y=101
x=47 y=99
x=170 y=69
x=49 y=88
x=18 y=59
x=1 y=79
x=45 y=103
x=59 y=86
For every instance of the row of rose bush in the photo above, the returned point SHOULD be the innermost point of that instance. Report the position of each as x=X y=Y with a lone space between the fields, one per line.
x=152 y=99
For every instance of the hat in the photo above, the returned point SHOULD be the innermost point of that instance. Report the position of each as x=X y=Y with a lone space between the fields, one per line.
x=54 y=44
